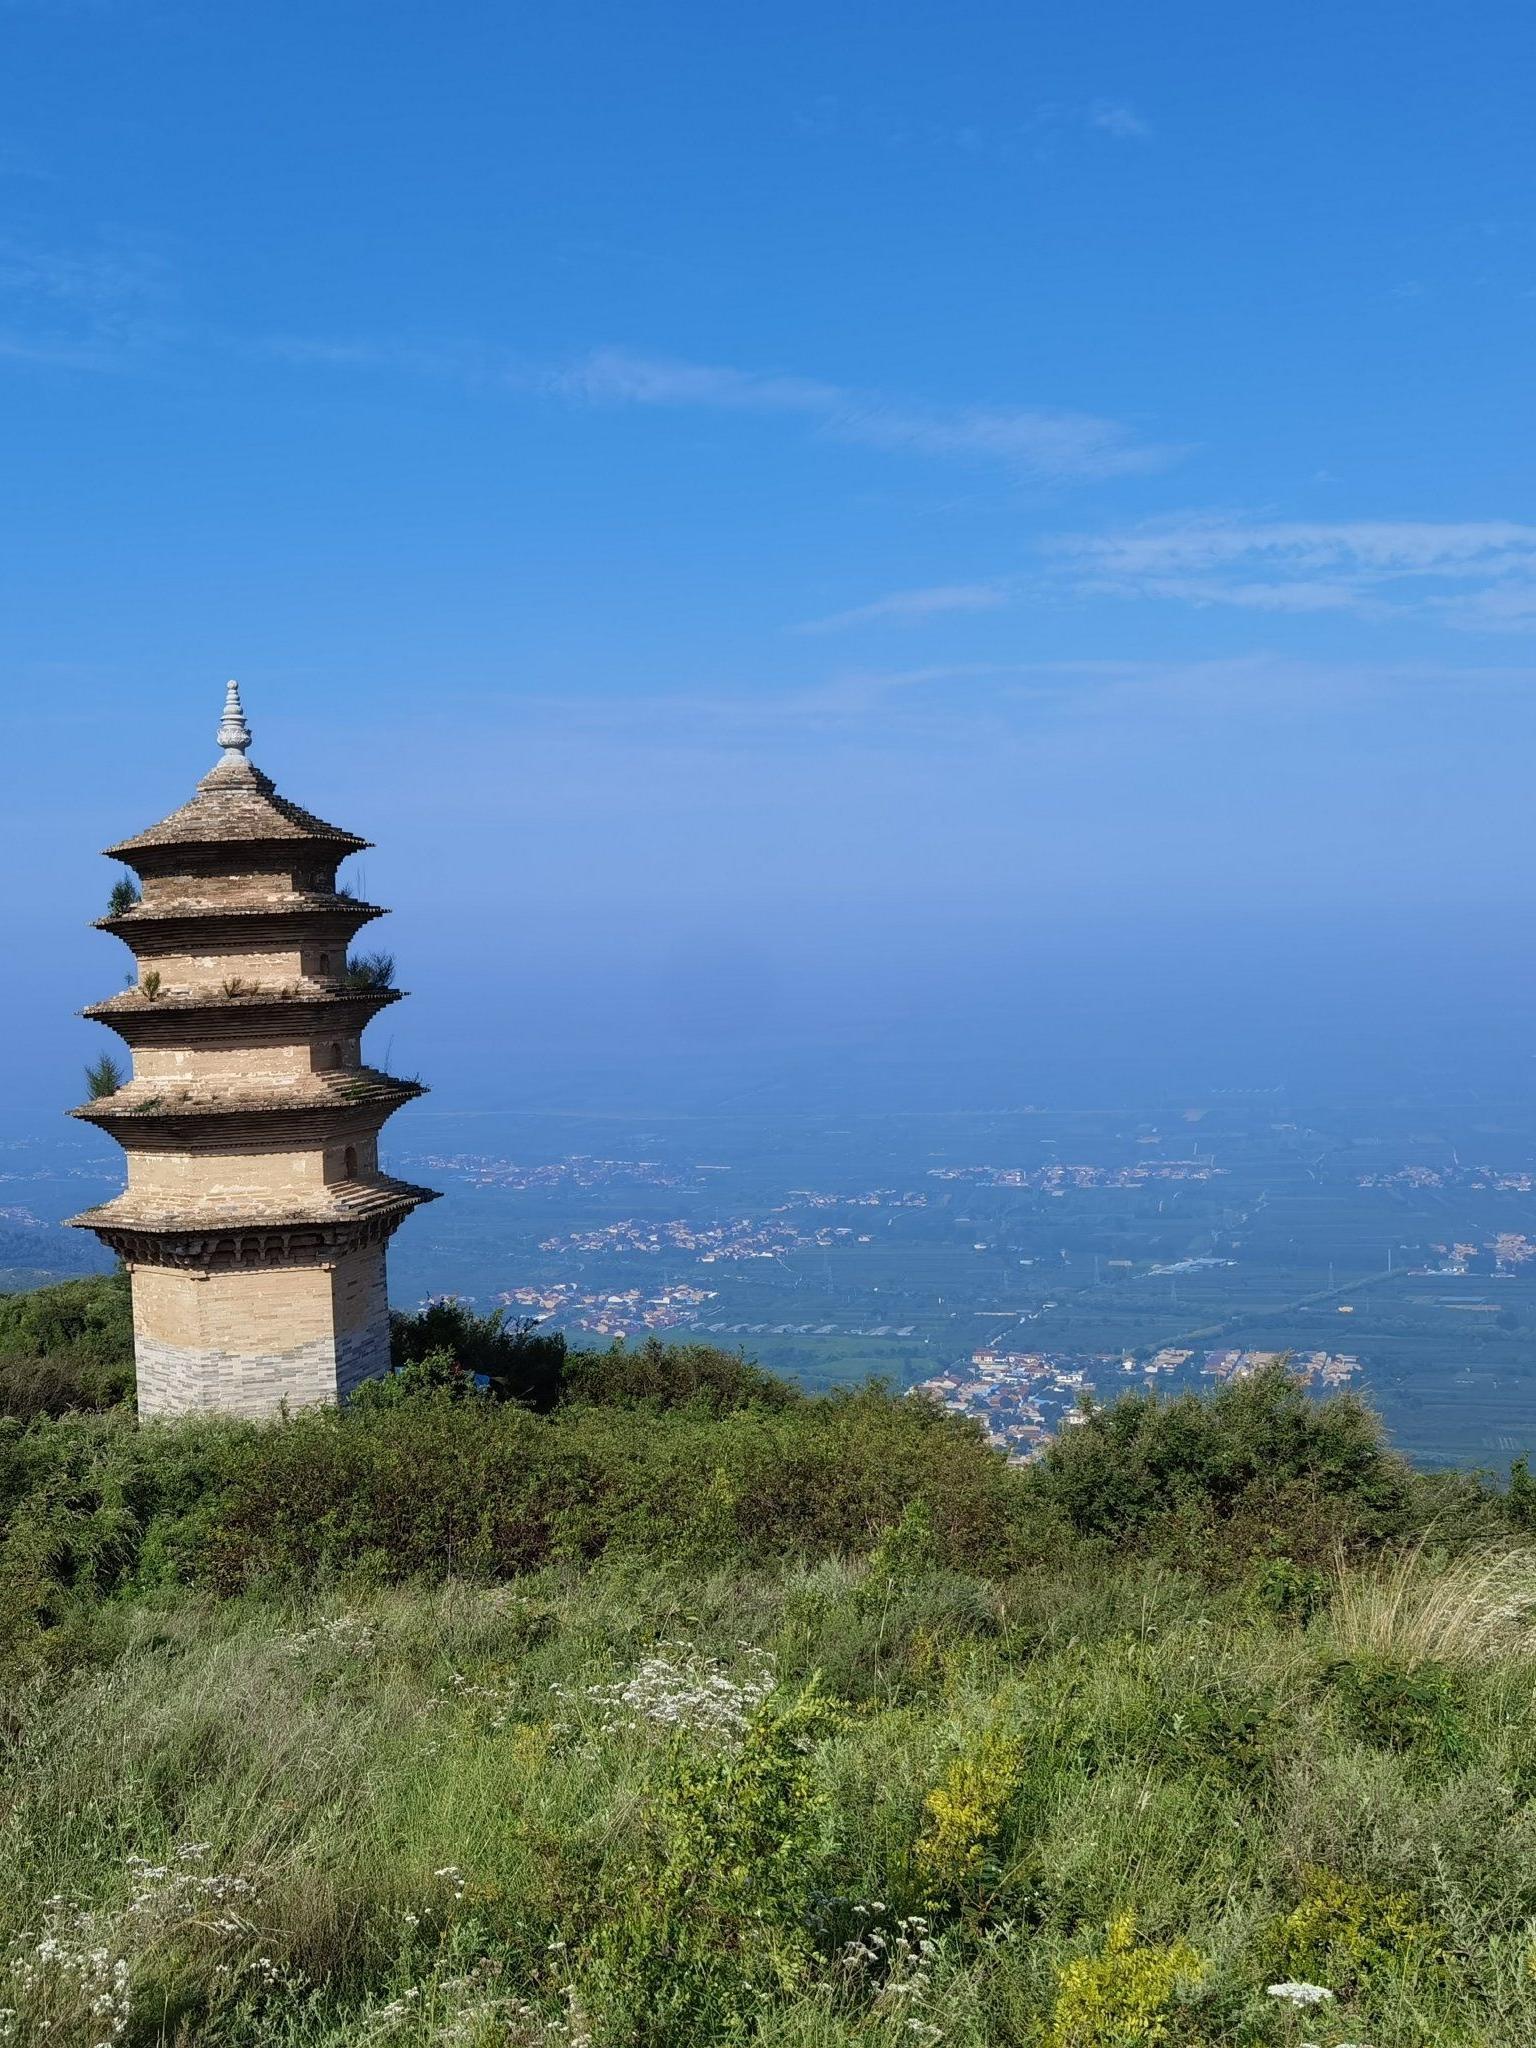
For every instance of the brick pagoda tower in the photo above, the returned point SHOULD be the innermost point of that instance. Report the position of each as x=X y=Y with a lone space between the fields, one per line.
x=255 y=1217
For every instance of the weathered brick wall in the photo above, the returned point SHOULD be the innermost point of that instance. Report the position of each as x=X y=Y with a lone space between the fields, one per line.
x=248 y=1342
x=268 y=967
x=262 y=1065
x=170 y=893
x=255 y=1180
x=270 y=1179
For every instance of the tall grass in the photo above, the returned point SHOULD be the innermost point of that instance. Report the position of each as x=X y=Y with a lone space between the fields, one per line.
x=1417 y=1608
x=460 y=1814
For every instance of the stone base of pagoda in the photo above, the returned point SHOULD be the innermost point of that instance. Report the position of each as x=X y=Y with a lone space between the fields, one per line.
x=255 y=1340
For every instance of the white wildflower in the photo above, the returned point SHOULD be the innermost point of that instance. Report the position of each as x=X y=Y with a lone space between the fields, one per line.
x=901 y=1963
x=349 y=1633
x=1300 y=1994
x=687 y=1691
x=71 y=1954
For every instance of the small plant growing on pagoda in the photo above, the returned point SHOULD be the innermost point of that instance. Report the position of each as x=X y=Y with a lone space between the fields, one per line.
x=370 y=970
x=125 y=896
x=104 y=1078
x=150 y=983
x=236 y=985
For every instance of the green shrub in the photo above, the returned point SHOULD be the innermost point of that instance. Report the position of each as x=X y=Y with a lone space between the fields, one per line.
x=482 y=1489
x=1343 y=1933
x=87 y=1500
x=435 y=1373
x=469 y=1462
x=516 y=1361
x=1232 y=1737
x=81 y=1318
x=1254 y=1466
x=672 y=1374
x=369 y=970
x=1290 y=1591
x=69 y=1346
x=1127 y=1995
x=712 y=1924
x=1520 y=1500
x=963 y=1813
x=1416 y=1708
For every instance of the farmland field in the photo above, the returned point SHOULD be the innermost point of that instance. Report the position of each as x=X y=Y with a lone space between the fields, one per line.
x=1397 y=1238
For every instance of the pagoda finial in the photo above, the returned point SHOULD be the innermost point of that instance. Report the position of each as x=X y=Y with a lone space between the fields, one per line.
x=234 y=733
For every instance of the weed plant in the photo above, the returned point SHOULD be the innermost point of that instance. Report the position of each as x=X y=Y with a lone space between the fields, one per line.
x=369 y=970
x=104 y=1077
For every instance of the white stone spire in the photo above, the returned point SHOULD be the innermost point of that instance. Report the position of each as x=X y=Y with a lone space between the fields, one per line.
x=234 y=733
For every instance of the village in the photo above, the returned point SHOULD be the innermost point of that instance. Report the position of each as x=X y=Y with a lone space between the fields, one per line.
x=1023 y=1399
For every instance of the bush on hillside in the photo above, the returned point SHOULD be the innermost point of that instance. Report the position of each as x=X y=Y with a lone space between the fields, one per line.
x=672 y=1374
x=435 y=1487
x=485 y=1490
x=490 y=1452
x=517 y=1361
x=1256 y=1461
x=420 y=1482
x=64 y=1347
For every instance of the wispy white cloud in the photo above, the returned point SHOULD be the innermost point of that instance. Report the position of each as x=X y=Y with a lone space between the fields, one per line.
x=976 y=705
x=1474 y=574
x=905 y=607
x=85 y=307
x=1045 y=444
x=1036 y=441
x=615 y=377
x=1113 y=117
x=1041 y=133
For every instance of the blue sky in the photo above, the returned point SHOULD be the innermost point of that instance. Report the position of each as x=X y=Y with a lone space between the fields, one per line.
x=768 y=497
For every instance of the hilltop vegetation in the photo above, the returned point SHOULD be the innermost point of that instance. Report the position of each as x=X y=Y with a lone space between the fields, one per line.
x=63 y=1347
x=663 y=1705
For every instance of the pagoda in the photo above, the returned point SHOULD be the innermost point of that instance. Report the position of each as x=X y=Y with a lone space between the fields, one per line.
x=255 y=1218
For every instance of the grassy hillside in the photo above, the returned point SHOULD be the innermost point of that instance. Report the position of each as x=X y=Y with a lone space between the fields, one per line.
x=690 y=1711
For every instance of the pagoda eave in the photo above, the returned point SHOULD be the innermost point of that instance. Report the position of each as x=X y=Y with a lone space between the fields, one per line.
x=339 y=1202
x=249 y=1119
x=333 y=840
x=162 y=1020
x=236 y=1243
x=279 y=923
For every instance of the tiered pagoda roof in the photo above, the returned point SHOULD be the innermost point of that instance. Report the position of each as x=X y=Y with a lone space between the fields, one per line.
x=235 y=804
x=239 y=872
